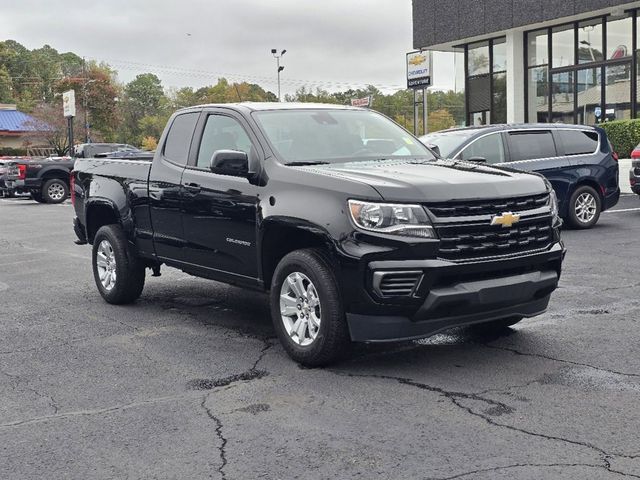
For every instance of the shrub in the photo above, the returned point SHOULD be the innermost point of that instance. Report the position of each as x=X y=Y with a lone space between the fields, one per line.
x=623 y=134
x=12 y=152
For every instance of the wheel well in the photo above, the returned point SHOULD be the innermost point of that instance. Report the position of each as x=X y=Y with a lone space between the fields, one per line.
x=99 y=216
x=59 y=174
x=279 y=240
x=589 y=183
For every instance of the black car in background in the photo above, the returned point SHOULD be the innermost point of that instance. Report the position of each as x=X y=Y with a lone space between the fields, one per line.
x=578 y=161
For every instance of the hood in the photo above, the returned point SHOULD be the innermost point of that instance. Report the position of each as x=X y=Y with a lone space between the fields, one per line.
x=435 y=180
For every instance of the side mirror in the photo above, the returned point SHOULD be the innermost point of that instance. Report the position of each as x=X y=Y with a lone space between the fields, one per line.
x=477 y=159
x=230 y=162
x=434 y=148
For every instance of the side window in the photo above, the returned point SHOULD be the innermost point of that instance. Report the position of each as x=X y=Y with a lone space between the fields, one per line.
x=176 y=147
x=578 y=142
x=489 y=147
x=221 y=133
x=531 y=145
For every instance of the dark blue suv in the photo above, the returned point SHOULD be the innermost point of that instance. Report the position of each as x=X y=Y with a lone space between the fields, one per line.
x=578 y=161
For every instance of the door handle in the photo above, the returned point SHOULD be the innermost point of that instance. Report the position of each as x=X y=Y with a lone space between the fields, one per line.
x=193 y=187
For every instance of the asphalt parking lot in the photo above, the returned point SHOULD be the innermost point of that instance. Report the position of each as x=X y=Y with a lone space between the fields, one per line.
x=190 y=382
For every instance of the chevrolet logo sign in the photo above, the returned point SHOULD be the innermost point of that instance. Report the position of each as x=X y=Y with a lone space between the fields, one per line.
x=507 y=220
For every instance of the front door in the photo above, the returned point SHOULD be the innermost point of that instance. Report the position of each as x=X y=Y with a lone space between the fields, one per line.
x=220 y=211
x=164 y=188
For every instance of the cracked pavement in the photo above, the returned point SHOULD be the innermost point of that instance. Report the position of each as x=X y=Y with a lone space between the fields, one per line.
x=190 y=382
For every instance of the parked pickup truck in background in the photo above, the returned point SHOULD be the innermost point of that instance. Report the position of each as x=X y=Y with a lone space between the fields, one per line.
x=46 y=179
x=355 y=228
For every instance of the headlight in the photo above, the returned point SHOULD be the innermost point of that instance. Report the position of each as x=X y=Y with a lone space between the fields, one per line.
x=404 y=220
x=553 y=203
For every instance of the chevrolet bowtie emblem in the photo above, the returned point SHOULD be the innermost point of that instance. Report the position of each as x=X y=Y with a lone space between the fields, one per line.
x=507 y=219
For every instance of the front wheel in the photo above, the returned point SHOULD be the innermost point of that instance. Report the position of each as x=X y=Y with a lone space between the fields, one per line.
x=584 y=208
x=306 y=309
x=55 y=191
x=118 y=272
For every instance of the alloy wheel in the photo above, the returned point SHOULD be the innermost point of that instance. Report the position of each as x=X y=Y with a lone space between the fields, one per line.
x=106 y=262
x=300 y=309
x=585 y=207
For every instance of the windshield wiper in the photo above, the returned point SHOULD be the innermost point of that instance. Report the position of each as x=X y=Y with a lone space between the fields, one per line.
x=305 y=164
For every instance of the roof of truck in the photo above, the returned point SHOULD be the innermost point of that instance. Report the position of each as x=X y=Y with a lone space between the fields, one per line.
x=255 y=106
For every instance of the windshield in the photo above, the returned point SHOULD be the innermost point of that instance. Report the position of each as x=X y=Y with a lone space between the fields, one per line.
x=334 y=136
x=448 y=142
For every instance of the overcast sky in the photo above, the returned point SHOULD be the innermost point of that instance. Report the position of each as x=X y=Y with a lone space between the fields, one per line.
x=332 y=44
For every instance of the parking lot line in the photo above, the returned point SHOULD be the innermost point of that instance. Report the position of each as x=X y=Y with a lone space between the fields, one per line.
x=622 y=210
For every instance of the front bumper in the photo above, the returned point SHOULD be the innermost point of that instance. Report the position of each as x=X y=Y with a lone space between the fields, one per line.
x=456 y=294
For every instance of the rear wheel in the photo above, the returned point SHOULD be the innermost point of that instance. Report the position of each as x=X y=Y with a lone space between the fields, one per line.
x=118 y=272
x=307 y=309
x=55 y=191
x=584 y=208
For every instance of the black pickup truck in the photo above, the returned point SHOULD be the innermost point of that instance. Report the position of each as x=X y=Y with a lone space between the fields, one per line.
x=358 y=231
x=46 y=179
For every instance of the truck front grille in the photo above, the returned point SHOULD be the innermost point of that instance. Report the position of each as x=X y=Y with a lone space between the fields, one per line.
x=488 y=207
x=466 y=242
x=396 y=284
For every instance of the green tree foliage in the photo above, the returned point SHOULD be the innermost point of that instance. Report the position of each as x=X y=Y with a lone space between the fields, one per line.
x=137 y=112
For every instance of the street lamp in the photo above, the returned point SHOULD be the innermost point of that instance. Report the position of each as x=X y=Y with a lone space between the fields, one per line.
x=277 y=56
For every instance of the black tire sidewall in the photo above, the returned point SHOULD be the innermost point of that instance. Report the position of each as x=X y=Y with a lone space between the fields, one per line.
x=128 y=270
x=45 y=190
x=573 y=219
x=333 y=324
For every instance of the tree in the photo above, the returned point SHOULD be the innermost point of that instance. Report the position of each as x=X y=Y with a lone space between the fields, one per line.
x=440 y=120
x=50 y=125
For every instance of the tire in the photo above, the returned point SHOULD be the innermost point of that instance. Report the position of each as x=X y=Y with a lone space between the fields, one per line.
x=585 y=207
x=112 y=253
x=37 y=196
x=55 y=191
x=497 y=325
x=317 y=346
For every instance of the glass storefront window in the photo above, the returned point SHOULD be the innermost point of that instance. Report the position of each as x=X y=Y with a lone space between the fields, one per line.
x=500 y=55
x=563 y=44
x=538 y=95
x=618 y=92
x=499 y=106
x=590 y=40
x=538 y=48
x=588 y=85
x=479 y=59
x=619 y=37
x=562 y=97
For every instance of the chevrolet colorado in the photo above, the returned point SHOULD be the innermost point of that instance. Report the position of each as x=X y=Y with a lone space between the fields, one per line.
x=358 y=231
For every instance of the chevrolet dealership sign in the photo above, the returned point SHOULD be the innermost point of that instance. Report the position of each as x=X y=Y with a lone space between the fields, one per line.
x=419 y=66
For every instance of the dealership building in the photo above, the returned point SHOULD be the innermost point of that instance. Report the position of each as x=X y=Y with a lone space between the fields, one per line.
x=571 y=61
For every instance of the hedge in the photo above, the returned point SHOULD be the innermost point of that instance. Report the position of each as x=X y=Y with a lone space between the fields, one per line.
x=12 y=152
x=623 y=134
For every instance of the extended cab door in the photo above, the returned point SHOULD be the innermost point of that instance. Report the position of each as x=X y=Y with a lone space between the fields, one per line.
x=220 y=211
x=164 y=187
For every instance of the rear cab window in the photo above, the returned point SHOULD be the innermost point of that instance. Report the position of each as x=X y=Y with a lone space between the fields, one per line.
x=178 y=142
x=531 y=145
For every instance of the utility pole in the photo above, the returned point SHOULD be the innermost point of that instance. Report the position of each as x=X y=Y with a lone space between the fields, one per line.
x=277 y=56
x=87 y=137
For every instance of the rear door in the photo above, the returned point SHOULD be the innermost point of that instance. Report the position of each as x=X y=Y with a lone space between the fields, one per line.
x=538 y=151
x=164 y=187
x=220 y=211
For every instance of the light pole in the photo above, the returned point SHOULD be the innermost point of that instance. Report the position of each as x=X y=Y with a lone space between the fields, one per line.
x=277 y=56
